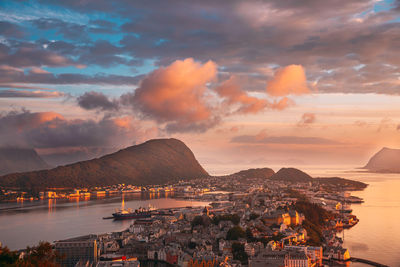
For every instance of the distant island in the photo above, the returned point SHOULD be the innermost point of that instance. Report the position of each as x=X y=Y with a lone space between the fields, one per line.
x=293 y=175
x=387 y=160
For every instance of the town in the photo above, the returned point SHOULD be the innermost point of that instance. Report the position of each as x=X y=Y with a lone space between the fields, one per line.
x=244 y=222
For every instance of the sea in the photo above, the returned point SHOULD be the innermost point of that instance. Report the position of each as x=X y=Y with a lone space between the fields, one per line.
x=376 y=237
x=26 y=223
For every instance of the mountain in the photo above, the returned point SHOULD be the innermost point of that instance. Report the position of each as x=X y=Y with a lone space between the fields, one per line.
x=20 y=160
x=265 y=173
x=156 y=161
x=386 y=160
x=64 y=158
x=291 y=175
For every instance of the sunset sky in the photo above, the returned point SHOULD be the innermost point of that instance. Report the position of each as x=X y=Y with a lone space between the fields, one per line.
x=240 y=82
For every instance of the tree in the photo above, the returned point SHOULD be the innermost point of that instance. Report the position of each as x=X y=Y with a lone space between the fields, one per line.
x=239 y=253
x=253 y=216
x=234 y=218
x=7 y=257
x=235 y=233
x=249 y=235
x=192 y=245
x=40 y=255
x=200 y=220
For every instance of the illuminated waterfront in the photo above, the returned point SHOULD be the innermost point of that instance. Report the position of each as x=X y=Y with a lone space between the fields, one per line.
x=26 y=223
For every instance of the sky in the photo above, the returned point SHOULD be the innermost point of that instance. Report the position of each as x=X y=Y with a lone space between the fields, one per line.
x=240 y=82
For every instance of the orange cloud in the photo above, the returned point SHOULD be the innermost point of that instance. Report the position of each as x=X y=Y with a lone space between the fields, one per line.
x=123 y=122
x=176 y=93
x=41 y=117
x=306 y=119
x=290 y=80
x=233 y=95
x=282 y=103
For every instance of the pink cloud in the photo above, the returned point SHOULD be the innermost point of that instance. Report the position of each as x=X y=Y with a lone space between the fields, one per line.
x=307 y=119
x=233 y=95
x=282 y=104
x=290 y=80
x=176 y=94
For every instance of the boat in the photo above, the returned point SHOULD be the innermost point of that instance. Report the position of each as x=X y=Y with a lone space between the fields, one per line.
x=139 y=213
x=123 y=214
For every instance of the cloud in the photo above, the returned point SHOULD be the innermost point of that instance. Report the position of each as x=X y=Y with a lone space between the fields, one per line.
x=282 y=104
x=177 y=95
x=289 y=140
x=306 y=119
x=385 y=123
x=31 y=56
x=29 y=94
x=233 y=95
x=95 y=100
x=290 y=80
x=9 y=74
x=360 y=123
x=68 y=30
x=10 y=29
x=326 y=39
x=52 y=130
x=18 y=86
x=36 y=70
x=398 y=127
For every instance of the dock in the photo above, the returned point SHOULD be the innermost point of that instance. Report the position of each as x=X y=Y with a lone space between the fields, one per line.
x=354 y=259
x=369 y=262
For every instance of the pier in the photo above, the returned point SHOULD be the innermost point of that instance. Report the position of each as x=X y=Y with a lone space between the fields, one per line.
x=354 y=259
x=369 y=262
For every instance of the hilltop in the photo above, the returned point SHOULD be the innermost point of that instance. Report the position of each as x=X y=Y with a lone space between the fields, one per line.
x=156 y=161
x=265 y=173
x=291 y=175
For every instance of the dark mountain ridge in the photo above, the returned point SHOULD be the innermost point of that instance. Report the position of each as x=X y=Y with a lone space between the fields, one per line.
x=20 y=160
x=156 y=161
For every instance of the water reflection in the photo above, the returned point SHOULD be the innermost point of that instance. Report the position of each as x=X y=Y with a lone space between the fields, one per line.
x=23 y=224
x=76 y=202
x=51 y=205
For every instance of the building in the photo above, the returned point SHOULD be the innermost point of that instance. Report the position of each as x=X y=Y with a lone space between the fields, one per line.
x=297 y=259
x=268 y=258
x=84 y=248
x=277 y=217
x=314 y=253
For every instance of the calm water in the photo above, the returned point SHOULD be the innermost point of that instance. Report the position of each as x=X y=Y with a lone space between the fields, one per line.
x=377 y=235
x=52 y=220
